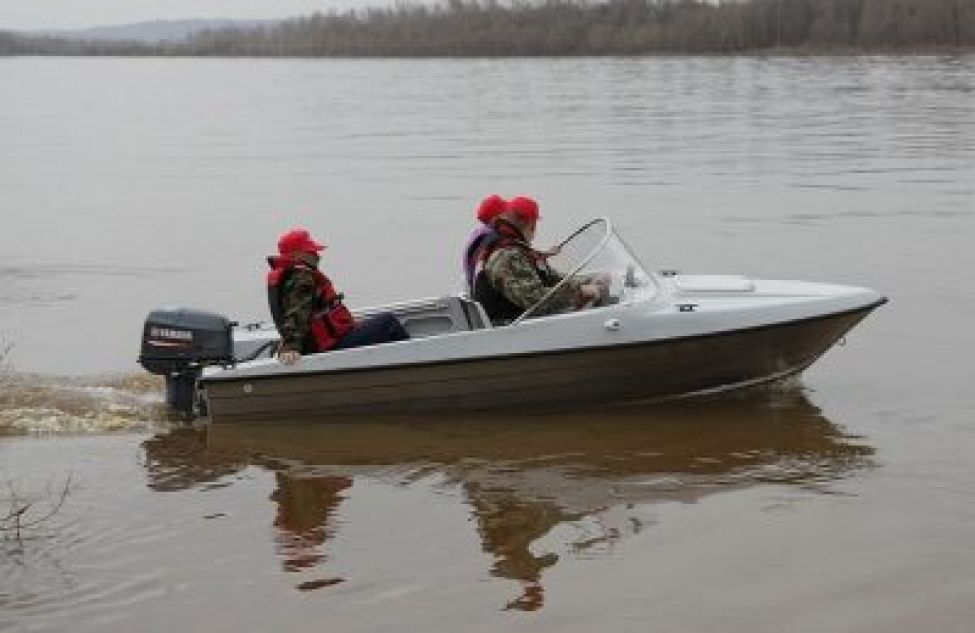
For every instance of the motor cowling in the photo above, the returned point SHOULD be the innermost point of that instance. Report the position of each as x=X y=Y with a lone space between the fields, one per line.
x=178 y=343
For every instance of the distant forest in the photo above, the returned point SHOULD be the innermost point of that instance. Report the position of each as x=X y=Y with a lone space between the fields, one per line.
x=569 y=27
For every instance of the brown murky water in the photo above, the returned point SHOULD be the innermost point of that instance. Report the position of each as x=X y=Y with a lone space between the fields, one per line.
x=843 y=502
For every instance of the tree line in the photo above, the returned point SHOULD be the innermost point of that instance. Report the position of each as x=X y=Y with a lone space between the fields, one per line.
x=570 y=27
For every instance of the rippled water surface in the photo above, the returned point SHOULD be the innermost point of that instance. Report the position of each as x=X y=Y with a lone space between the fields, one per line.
x=843 y=502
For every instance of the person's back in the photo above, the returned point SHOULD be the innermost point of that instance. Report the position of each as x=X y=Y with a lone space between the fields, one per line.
x=487 y=210
x=296 y=299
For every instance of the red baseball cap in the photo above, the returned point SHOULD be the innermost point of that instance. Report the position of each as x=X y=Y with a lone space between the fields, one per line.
x=524 y=207
x=491 y=207
x=298 y=241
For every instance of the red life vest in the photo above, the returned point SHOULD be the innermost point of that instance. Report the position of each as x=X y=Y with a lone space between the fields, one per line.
x=330 y=321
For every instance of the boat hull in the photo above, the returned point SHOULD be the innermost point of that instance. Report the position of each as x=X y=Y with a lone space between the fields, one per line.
x=652 y=370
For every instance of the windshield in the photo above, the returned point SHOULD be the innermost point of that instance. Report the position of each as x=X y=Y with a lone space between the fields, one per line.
x=595 y=250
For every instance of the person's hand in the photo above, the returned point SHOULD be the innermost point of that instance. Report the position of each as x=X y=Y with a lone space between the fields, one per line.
x=591 y=290
x=288 y=357
x=589 y=294
x=552 y=252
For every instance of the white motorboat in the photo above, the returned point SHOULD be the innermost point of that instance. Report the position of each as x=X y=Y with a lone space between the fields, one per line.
x=655 y=335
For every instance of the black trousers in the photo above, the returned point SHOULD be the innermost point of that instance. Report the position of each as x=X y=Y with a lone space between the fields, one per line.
x=382 y=328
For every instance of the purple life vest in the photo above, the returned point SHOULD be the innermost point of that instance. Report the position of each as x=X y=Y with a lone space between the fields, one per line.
x=474 y=242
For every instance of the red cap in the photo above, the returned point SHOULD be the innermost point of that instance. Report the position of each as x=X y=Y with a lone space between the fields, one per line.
x=298 y=241
x=491 y=207
x=524 y=207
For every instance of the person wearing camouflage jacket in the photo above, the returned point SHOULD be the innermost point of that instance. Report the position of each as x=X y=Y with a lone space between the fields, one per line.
x=298 y=305
x=513 y=271
x=512 y=277
x=309 y=313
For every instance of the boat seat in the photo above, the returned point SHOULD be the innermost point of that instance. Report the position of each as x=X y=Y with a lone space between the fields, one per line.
x=435 y=316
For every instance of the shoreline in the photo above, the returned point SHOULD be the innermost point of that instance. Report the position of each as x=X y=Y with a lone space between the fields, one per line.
x=755 y=53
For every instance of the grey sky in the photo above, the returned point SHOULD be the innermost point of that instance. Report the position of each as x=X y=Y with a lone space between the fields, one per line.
x=70 y=14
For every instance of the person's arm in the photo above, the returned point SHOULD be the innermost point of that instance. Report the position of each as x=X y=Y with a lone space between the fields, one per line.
x=512 y=273
x=297 y=305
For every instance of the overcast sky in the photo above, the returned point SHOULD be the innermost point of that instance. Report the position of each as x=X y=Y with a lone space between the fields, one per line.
x=70 y=14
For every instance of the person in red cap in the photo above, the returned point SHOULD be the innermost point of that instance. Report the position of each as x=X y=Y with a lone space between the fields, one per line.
x=509 y=276
x=308 y=312
x=491 y=207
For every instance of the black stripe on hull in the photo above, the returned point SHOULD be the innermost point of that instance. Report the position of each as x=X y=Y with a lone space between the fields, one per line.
x=647 y=371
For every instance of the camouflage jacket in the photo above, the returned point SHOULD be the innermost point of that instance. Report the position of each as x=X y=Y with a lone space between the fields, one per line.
x=513 y=273
x=298 y=300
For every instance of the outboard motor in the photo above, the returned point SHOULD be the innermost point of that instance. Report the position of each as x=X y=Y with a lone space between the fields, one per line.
x=178 y=343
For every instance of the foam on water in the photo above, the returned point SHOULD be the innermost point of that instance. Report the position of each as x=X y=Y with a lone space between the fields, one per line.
x=39 y=405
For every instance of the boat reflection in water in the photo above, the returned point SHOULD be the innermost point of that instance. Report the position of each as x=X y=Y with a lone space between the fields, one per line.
x=522 y=476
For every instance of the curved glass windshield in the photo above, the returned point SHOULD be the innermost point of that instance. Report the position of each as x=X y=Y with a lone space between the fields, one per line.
x=592 y=253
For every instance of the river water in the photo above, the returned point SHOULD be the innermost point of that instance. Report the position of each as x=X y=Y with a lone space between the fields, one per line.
x=841 y=502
